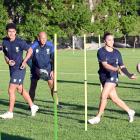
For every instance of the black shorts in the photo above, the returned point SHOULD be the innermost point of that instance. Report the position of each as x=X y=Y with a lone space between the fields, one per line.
x=17 y=76
x=104 y=79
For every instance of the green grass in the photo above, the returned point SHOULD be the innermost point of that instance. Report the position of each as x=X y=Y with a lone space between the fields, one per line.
x=114 y=124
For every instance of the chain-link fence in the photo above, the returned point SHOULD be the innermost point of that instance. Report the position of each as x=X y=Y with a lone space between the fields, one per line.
x=77 y=42
x=92 y=42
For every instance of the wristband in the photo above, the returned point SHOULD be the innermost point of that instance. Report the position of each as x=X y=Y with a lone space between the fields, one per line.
x=125 y=71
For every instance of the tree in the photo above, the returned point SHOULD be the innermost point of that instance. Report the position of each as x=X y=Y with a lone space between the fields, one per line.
x=71 y=17
x=128 y=16
x=56 y=16
x=118 y=17
x=3 y=20
x=106 y=17
x=128 y=23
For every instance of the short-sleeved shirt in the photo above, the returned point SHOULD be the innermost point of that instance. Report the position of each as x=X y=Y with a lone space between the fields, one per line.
x=43 y=57
x=14 y=51
x=113 y=58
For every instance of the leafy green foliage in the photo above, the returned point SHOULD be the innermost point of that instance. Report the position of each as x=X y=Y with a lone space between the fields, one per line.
x=3 y=20
x=116 y=17
x=70 y=17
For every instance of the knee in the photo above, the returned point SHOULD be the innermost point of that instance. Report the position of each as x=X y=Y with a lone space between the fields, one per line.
x=20 y=89
x=10 y=91
x=103 y=98
x=51 y=86
x=115 y=100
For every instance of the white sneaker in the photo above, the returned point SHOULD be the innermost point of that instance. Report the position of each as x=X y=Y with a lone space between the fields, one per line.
x=94 y=120
x=131 y=115
x=7 y=115
x=34 y=109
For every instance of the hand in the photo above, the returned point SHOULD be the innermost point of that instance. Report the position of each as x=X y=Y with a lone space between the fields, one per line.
x=52 y=75
x=133 y=77
x=120 y=72
x=23 y=65
x=11 y=63
x=118 y=69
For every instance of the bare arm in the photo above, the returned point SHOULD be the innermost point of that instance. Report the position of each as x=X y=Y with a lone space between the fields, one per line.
x=28 y=55
x=109 y=67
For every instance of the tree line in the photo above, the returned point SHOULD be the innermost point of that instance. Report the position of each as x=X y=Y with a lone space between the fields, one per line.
x=71 y=17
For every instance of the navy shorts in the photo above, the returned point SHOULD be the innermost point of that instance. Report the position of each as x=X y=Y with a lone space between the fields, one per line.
x=104 y=79
x=17 y=76
x=35 y=76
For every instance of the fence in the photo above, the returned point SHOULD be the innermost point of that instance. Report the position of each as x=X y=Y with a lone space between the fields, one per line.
x=77 y=42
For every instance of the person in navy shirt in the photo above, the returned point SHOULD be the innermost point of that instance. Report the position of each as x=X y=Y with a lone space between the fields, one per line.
x=13 y=48
x=42 y=65
x=110 y=61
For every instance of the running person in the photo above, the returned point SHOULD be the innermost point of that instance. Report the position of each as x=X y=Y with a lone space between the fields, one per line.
x=13 y=50
x=42 y=65
x=110 y=61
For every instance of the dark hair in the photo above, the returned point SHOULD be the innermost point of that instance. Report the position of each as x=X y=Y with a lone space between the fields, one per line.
x=11 y=26
x=106 y=34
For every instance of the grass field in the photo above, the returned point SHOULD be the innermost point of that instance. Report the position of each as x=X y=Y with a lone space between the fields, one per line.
x=114 y=124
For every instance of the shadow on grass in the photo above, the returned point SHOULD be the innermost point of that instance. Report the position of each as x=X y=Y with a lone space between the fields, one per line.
x=115 y=118
x=135 y=101
x=69 y=111
x=77 y=82
x=79 y=107
x=5 y=136
x=75 y=110
x=128 y=87
x=18 y=104
x=77 y=115
x=98 y=84
x=128 y=83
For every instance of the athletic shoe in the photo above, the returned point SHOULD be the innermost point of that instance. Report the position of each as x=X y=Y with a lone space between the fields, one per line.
x=94 y=120
x=34 y=109
x=7 y=115
x=131 y=115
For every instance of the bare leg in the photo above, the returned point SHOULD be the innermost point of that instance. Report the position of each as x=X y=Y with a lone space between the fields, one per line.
x=25 y=95
x=12 y=96
x=114 y=97
x=103 y=101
